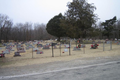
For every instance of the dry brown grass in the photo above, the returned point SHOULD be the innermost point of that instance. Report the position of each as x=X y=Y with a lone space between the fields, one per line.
x=26 y=58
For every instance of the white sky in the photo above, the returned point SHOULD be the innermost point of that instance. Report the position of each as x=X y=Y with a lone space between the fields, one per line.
x=41 y=11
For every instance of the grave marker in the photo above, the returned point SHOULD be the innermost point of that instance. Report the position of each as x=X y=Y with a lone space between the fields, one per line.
x=39 y=45
x=46 y=47
x=76 y=49
x=16 y=54
x=35 y=49
x=2 y=55
x=8 y=47
x=65 y=50
x=118 y=43
x=21 y=50
x=108 y=42
x=7 y=51
x=67 y=45
x=39 y=52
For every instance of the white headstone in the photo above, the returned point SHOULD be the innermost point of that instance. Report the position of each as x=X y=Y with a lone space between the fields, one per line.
x=65 y=50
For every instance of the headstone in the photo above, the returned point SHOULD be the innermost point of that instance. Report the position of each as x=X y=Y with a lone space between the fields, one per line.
x=108 y=42
x=11 y=44
x=82 y=45
x=55 y=47
x=35 y=49
x=8 y=47
x=2 y=55
x=118 y=43
x=34 y=43
x=46 y=47
x=39 y=45
x=67 y=46
x=39 y=52
x=47 y=44
x=115 y=41
x=22 y=42
x=16 y=54
x=27 y=48
x=99 y=42
x=53 y=44
x=20 y=50
x=26 y=44
x=12 y=50
x=65 y=50
x=7 y=51
x=15 y=43
x=19 y=45
x=76 y=49
x=93 y=42
x=4 y=44
x=30 y=46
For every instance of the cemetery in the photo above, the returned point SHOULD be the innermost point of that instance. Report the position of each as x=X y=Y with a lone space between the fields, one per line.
x=50 y=49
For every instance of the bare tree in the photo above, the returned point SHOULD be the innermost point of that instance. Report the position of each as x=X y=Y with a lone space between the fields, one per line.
x=5 y=27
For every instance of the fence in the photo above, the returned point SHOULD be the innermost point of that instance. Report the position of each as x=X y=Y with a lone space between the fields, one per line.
x=62 y=49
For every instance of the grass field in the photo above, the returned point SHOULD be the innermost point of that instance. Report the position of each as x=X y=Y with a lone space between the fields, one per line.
x=26 y=58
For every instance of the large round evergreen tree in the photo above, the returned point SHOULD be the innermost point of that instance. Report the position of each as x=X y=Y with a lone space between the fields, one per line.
x=54 y=28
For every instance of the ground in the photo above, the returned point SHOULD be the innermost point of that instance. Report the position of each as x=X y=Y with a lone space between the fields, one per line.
x=26 y=58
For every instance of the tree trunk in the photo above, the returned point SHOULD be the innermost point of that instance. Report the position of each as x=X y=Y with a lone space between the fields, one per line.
x=58 y=39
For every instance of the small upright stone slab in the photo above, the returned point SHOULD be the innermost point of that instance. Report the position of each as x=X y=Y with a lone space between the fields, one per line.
x=55 y=47
x=12 y=50
x=2 y=55
x=115 y=41
x=39 y=45
x=30 y=46
x=16 y=54
x=76 y=49
x=65 y=50
x=20 y=50
x=7 y=51
x=67 y=46
x=4 y=44
x=108 y=42
x=39 y=52
x=83 y=46
x=99 y=42
x=54 y=44
x=8 y=47
x=27 y=48
x=46 y=47
x=35 y=49
x=118 y=43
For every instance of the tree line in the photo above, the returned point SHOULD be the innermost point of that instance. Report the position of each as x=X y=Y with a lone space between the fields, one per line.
x=21 y=31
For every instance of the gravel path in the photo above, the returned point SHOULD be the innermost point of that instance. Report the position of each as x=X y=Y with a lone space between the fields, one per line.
x=11 y=71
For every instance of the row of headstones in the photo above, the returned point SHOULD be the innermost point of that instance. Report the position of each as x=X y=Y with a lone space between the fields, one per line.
x=18 y=53
x=117 y=42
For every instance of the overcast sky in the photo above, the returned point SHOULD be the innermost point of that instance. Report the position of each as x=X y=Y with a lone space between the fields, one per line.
x=41 y=11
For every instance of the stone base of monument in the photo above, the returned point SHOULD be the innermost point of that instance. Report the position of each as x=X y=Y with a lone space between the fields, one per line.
x=46 y=47
x=76 y=49
x=118 y=43
x=12 y=50
x=16 y=54
x=2 y=55
x=7 y=51
x=35 y=49
x=27 y=48
x=39 y=52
